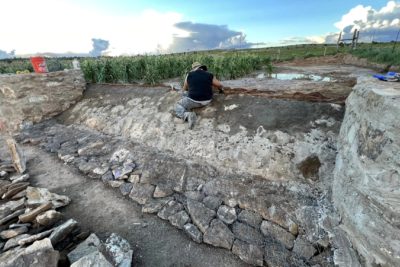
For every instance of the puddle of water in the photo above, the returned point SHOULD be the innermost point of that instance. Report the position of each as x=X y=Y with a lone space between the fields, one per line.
x=299 y=76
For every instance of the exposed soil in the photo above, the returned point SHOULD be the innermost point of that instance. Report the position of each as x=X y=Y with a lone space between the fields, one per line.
x=335 y=89
x=339 y=82
x=103 y=210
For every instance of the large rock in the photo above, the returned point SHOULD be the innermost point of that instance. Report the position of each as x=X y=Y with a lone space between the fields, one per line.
x=32 y=98
x=49 y=217
x=218 y=235
x=37 y=196
x=14 y=189
x=11 y=206
x=278 y=233
x=179 y=219
x=169 y=209
x=212 y=202
x=250 y=217
x=123 y=171
x=94 y=259
x=248 y=253
x=275 y=254
x=13 y=242
x=162 y=191
x=40 y=253
x=90 y=245
x=155 y=205
x=201 y=215
x=33 y=238
x=366 y=187
x=62 y=231
x=7 y=234
x=31 y=215
x=126 y=188
x=303 y=248
x=344 y=254
x=11 y=216
x=193 y=232
x=227 y=214
x=119 y=250
x=141 y=193
x=247 y=233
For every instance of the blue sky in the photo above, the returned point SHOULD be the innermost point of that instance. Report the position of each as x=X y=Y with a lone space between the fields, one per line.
x=261 y=20
x=139 y=26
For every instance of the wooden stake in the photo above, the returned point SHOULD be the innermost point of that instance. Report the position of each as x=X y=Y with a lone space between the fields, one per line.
x=17 y=156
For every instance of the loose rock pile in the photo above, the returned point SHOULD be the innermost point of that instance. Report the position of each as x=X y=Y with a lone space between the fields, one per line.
x=197 y=208
x=34 y=233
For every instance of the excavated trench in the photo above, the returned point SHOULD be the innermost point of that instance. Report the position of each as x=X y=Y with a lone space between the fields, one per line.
x=253 y=177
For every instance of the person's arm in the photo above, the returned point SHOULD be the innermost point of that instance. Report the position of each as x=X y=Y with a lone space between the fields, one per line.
x=217 y=83
x=185 y=84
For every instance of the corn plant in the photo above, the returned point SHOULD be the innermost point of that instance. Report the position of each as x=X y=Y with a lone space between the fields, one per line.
x=153 y=69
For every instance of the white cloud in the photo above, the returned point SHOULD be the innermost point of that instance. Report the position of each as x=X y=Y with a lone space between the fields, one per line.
x=203 y=36
x=358 y=13
x=381 y=25
x=61 y=26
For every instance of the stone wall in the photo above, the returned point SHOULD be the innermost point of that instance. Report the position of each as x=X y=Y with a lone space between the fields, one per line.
x=366 y=188
x=264 y=223
x=30 y=98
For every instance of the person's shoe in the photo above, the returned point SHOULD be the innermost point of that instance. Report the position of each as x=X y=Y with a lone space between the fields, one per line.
x=192 y=119
x=186 y=116
x=172 y=112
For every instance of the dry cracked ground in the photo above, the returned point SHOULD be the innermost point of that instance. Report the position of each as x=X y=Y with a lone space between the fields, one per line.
x=249 y=185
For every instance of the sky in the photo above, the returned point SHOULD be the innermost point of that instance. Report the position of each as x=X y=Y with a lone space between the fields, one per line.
x=129 y=27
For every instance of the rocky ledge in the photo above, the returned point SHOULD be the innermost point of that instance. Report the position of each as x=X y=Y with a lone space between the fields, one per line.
x=366 y=187
x=30 y=98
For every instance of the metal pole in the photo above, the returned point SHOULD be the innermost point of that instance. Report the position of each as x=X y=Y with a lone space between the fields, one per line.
x=372 y=39
x=397 y=37
x=353 y=39
x=337 y=45
x=358 y=35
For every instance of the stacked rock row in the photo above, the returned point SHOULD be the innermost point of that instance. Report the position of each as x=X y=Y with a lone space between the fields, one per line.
x=32 y=231
x=206 y=218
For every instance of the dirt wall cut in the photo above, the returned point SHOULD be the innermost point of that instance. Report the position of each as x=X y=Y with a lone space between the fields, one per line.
x=366 y=188
x=30 y=98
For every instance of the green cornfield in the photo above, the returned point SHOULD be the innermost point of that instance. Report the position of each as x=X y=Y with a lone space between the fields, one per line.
x=153 y=69
x=149 y=69
x=224 y=64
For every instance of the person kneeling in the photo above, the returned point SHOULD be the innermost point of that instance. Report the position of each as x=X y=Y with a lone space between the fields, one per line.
x=197 y=92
